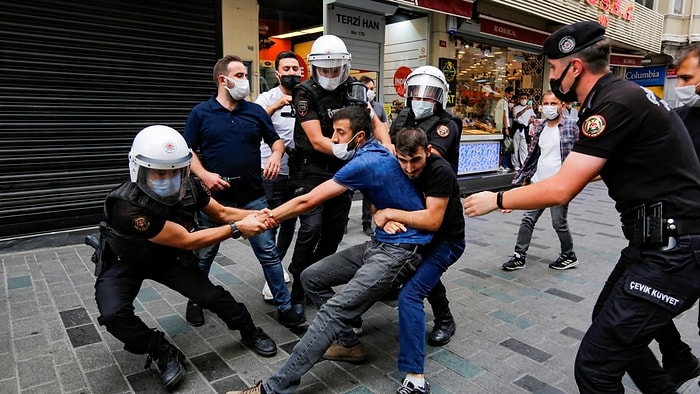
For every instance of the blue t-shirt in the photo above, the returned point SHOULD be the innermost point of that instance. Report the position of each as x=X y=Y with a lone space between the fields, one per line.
x=377 y=174
x=229 y=145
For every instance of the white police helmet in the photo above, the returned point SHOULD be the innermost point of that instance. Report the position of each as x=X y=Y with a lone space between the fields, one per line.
x=330 y=62
x=160 y=148
x=427 y=82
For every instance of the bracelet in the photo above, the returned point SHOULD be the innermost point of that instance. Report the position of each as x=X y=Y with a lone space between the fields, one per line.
x=499 y=200
x=235 y=232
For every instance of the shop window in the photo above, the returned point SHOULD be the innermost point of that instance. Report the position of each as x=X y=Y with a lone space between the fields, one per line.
x=646 y=3
x=484 y=72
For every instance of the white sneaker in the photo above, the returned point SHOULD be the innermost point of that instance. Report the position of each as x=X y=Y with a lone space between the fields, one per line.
x=287 y=278
x=266 y=293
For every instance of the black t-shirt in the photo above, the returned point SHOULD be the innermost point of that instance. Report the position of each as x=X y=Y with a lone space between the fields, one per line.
x=691 y=119
x=650 y=156
x=438 y=180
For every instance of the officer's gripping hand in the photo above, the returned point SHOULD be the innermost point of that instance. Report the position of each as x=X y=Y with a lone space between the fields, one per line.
x=251 y=225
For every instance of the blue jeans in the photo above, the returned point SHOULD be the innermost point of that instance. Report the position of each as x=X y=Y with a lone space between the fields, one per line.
x=369 y=271
x=437 y=259
x=265 y=250
x=559 y=223
x=278 y=191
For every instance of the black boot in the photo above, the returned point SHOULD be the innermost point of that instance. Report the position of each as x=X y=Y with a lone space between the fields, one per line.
x=169 y=360
x=194 y=314
x=443 y=329
x=256 y=339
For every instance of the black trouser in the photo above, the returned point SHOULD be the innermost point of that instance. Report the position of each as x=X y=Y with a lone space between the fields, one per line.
x=117 y=287
x=438 y=301
x=633 y=309
x=517 y=126
x=320 y=230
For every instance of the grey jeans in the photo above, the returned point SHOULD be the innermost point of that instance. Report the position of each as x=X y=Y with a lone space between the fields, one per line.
x=559 y=223
x=369 y=271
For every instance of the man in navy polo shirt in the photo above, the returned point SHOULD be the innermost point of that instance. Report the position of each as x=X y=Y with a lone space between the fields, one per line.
x=227 y=130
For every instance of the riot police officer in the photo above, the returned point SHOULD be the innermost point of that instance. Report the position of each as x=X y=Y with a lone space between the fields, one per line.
x=644 y=154
x=314 y=160
x=149 y=235
x=426 y=99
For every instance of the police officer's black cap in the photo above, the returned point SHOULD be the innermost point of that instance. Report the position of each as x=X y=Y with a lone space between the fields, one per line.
x=572 y=38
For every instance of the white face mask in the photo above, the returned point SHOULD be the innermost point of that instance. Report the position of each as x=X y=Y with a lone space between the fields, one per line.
x=511 y=105
x=371 y=95
x=240 y=89
x=422 y=109
x=341 y=150
x=687 y=96
x=523 y=102
x=329 y=84
x=550 y=112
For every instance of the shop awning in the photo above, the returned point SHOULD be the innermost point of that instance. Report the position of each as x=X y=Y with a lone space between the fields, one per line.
x=461 y=8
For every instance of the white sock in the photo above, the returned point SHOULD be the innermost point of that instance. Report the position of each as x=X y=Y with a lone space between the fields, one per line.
x=417 y=382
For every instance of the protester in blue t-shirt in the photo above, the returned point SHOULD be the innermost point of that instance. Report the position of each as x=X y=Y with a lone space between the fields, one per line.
x=370 y=270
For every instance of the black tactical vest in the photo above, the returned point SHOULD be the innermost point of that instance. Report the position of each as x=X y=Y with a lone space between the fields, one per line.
x=328 y=103
x=133 y=248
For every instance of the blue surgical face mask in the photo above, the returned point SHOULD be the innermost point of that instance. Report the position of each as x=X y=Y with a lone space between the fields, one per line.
x=422 y=109
x=166 y=187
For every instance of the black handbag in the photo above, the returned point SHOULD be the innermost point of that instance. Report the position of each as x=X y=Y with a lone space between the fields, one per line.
x=507 y=145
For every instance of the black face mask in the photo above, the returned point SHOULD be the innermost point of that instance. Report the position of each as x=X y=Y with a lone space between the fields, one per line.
x=289 y=81
x=555 y=85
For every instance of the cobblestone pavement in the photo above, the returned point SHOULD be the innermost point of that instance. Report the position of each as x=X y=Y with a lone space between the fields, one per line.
x=517 y=332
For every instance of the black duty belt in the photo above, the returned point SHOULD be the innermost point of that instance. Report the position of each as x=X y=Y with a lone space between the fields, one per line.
x=647 y=226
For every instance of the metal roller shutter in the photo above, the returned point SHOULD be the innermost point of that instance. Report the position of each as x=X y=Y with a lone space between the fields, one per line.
x=77 y=81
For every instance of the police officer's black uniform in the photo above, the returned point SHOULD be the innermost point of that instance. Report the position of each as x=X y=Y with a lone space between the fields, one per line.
x=444 y=133
x=321 y=229
x=133 y=218
x=653 y=175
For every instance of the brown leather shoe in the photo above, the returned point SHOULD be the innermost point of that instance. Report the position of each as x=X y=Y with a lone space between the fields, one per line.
x=257 y=389
x=338 y=352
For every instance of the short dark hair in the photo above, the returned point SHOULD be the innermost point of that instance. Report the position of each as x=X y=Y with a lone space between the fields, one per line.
x=596 y=57
x=365 y=79
x=359 y=118
x=284 y=55
x=509 y=90
x=692 y=51
x=409 y=139
x=221 y=66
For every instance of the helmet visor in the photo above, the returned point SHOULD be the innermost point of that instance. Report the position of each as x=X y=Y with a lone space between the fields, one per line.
x=425 y=92
x=163 y=185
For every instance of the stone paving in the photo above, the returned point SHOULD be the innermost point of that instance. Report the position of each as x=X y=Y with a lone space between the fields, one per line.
x=517 y=332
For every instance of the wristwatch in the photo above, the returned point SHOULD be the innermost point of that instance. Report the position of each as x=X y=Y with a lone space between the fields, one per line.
x=235 y=232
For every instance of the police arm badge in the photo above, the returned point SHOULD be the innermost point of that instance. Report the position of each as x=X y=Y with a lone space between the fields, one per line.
x=593 y=126
x=303 y=108
x=443 y=131
x=141 y=223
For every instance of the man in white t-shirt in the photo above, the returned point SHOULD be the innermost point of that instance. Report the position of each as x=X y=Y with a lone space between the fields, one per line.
x=552 y=142
x=523 y=116
x=502 y=120
x=277 y=103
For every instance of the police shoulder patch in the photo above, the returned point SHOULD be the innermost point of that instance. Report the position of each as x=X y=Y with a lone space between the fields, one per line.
x=593 y=126
x=443 y=131
x=140 y=223
x=303 y=108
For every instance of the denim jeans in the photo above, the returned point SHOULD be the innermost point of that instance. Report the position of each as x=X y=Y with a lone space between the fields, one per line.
x=369 y=271
x=559 y=223
x=278 y=191
x=265 y=250
x=437 y=259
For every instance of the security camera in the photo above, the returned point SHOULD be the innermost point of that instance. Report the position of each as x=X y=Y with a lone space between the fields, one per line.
x=451 y=25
